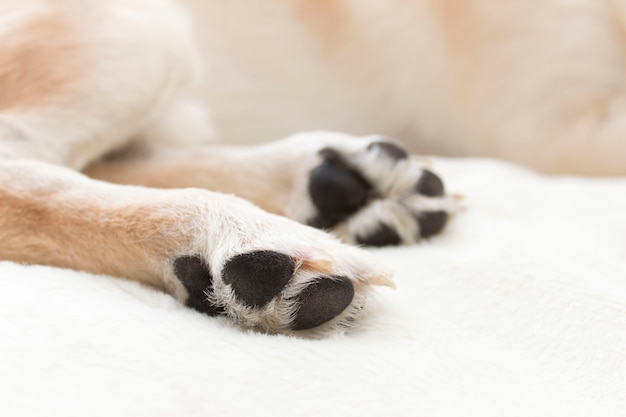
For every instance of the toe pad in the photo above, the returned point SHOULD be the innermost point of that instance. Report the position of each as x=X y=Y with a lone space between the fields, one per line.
x=322 y=301
x=257 y=277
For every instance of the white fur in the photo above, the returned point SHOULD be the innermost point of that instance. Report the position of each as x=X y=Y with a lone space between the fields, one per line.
x=517 y=311
x=533 y=81
x=393 y=182
x=215 y=227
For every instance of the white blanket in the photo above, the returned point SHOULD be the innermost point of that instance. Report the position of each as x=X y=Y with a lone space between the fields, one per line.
x=519 y=309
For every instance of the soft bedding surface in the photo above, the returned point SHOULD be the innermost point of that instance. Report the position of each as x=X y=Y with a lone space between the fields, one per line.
x=519 y=309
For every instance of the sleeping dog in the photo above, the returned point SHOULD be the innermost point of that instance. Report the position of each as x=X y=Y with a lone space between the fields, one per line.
x=104 y=120
x=537 y=82
x=89 y=88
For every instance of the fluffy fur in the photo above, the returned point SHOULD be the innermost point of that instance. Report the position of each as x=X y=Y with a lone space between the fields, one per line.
x=537 y=82
x=80 y=80
x=519 y=310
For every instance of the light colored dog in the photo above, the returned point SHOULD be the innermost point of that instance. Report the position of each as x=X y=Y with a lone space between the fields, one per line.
x=91 y=86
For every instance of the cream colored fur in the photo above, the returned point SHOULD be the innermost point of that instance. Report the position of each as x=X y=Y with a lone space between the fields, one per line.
x=537 y=82
x=80 y=79
x=533 y=81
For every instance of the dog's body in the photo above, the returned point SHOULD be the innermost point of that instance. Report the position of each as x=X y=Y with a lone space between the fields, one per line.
x=81 y=79
x=537 y=82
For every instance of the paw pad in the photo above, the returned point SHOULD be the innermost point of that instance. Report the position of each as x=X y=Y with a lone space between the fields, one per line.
x=259 y=282
x=430 y=184
x=431 y=222
x=336 y=190
x=384 y=235
x=322 y=301
x=391 y=150
x=257 y=277
x=371 y=193
x=195 y=276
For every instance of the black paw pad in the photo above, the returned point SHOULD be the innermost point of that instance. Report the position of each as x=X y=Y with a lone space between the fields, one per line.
x=336 y=190
x=322 y=301
x=195 y=276
x=430 y=184
x=393 y=151
x=431 y=222
x=384 y=235
x=257 y=277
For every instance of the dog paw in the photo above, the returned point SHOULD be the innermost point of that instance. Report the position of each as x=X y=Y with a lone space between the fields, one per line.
x=270 y=273
x=367 y=191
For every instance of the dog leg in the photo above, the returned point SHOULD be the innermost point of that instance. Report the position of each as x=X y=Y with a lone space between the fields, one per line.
x=216 y=253
x=81 y=79
x=366 y=190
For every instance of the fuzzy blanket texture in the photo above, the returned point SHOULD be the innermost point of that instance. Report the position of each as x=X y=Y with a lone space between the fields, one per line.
x=518 y=309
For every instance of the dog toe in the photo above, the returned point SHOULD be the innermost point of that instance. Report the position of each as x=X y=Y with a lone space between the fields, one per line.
x=430 y=184
x=321 y=301
x=257 y=277
x=384 y=235
x=336 y=190
x=389 y=149
x=431 y=222
x=195 y=276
